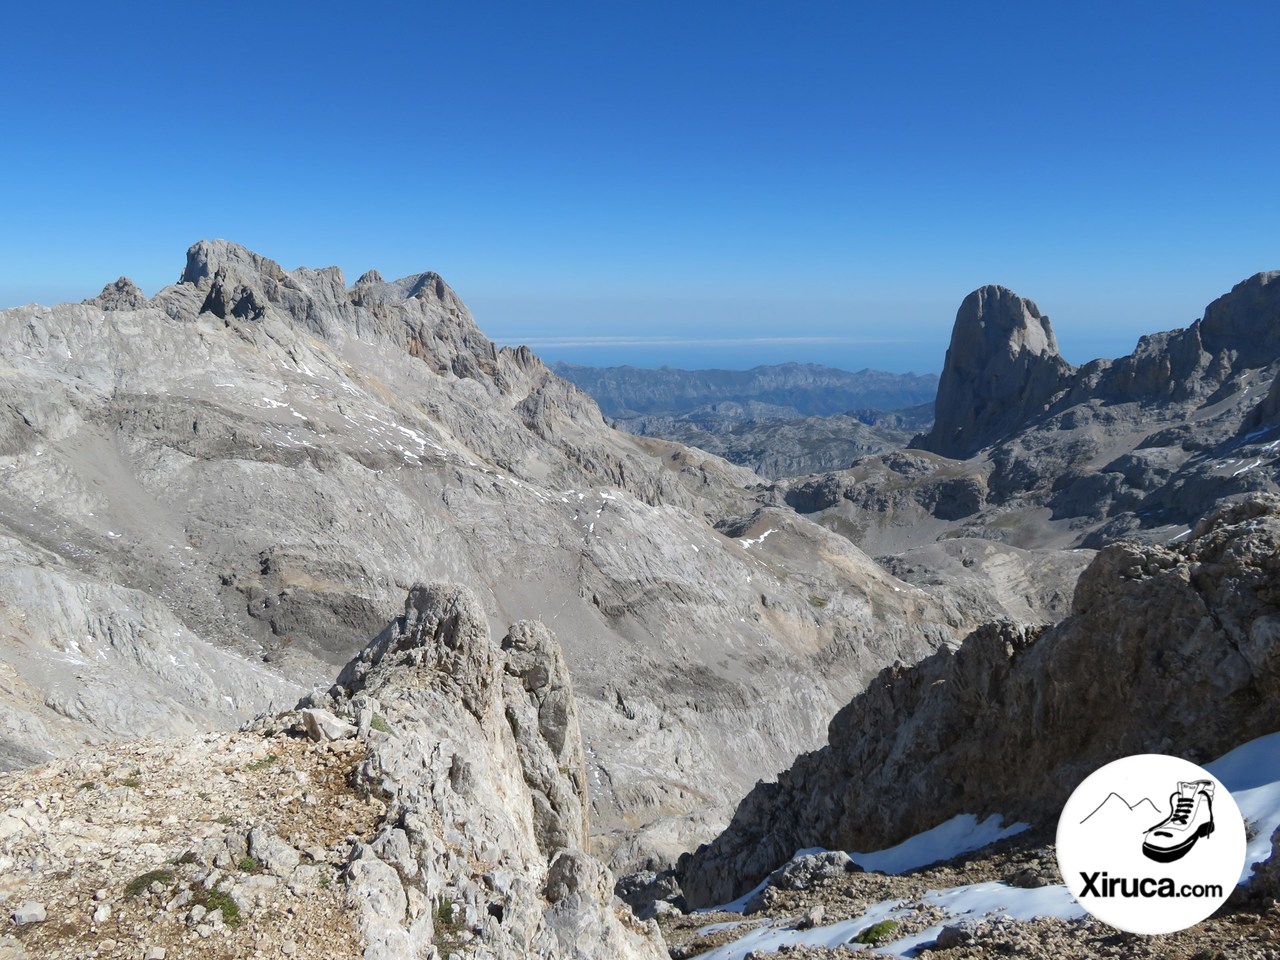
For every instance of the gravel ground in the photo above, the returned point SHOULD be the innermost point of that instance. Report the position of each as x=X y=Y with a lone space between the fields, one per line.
x=223 y=846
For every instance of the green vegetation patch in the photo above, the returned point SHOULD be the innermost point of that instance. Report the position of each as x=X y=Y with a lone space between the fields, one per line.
x=139 y=885
x=877 y=932
x=217 y=899
x=448 y=925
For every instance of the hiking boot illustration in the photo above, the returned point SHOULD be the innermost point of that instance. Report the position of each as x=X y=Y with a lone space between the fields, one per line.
x=1190 y=818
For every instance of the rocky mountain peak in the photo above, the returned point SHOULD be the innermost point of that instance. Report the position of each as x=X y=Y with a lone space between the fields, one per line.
x=993 y=317
x=123 y=294
x=1246 y=320
x=1001 y=369
x=206 y=257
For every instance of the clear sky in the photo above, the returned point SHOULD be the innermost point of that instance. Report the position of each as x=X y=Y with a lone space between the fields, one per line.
x=606 y=180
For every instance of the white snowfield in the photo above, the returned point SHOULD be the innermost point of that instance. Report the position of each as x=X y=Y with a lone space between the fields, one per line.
x=950 y=839
x=1251 y=772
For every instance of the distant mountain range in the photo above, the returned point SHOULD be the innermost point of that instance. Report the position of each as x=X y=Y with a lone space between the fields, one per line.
x=783 y=420
x=779 y=391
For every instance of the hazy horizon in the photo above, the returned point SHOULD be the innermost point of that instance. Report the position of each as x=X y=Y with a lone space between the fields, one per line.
x=594 y=331
x=840 y=174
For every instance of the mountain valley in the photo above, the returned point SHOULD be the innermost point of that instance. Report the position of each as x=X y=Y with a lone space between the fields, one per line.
x=780 y=421
x=518 y=649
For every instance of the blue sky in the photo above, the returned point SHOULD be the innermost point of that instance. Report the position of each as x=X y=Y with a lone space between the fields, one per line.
x=609 y=179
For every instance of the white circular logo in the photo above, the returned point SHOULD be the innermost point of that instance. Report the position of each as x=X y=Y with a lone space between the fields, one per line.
x=1151 y=844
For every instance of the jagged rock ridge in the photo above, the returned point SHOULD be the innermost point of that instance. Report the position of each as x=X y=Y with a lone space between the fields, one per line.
x=250 y=467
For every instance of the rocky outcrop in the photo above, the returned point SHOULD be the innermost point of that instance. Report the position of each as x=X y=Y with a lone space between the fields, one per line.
x=1245 y=322
x=476 y=750
x=432 y=804
x=1264 y=883
x=1167 y=650
x=1002 y=369
x=123 y=294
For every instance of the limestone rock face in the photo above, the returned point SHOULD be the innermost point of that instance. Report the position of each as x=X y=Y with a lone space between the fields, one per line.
x=1246 y=321
x=1036 y=454
x=543 y=715
x=1167 y=650
x=482 y=849
x=1002 y=368
x=258 y=463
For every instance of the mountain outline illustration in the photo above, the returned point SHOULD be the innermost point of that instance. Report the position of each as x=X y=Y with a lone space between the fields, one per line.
x=1130 y=808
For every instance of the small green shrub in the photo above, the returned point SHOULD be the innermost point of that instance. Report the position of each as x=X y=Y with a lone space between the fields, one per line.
x=263 y=762
x=379 y=723
x=448 y=925
x=133 y=783
x=249 y=865
x=877 y=932
x=217 y=899
x=140 y=884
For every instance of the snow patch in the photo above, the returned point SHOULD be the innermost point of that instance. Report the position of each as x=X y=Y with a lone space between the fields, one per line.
x=749 y=543
x=958 y=835
x=1246 y=469
x=1251 y=772
x=988 y=899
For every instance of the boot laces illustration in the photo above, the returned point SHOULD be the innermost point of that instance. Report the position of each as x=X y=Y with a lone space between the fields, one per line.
x=1190 y=818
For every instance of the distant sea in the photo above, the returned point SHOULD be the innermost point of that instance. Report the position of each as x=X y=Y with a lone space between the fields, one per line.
x=905 y=357
x=891 y=357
